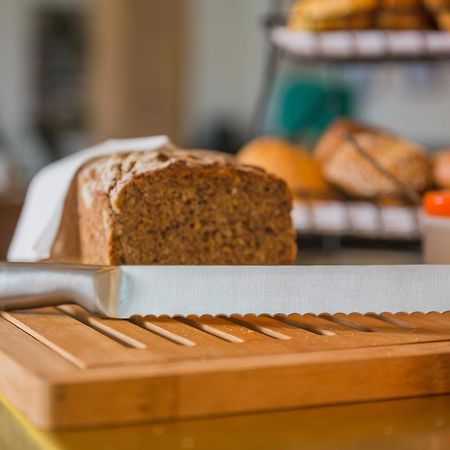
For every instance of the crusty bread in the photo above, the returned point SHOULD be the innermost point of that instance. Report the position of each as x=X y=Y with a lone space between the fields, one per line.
x=327 y=15
x=402 y=15
x=333 y=137
x=441 y=169
x=440 y=9
x=357 y=176
x=293 y=164
x=173 y=206
x=323 y=15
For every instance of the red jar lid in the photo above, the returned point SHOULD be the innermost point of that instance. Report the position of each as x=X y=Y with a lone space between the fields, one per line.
x=437 y=203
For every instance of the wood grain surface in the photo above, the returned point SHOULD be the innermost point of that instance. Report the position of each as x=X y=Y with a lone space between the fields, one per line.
x=67 y=369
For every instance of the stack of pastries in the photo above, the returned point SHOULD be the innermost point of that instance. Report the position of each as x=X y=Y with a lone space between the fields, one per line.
x=351 y=160
x=328 y=15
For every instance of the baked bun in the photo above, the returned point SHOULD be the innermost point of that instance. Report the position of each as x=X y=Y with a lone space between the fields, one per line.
x=327 y=15
x=440 y=9
x=293 y=164
x=441 y=169
x=324 y=15
x=402 y=15
x=370 y=176
x=333 y=137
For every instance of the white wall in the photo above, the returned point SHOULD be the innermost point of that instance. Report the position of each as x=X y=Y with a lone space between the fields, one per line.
x=226 y=52
x=225 y=66
x=414 y=100
x=225 y=62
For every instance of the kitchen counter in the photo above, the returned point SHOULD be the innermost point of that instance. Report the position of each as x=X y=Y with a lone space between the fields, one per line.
x=420 y=423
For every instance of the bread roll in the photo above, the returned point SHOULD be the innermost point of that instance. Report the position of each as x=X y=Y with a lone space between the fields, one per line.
x=173 y=206
x=440 y=9
x=441 y=169
x=293 y=164
x=402 y=15
x=334 y=136
x=356 y=175
x=327 y=15
x=323 y=15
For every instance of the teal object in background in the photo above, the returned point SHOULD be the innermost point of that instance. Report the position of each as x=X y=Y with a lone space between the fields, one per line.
x=303 y=108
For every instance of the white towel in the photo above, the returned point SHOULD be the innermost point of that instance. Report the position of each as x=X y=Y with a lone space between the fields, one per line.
x=42 y=212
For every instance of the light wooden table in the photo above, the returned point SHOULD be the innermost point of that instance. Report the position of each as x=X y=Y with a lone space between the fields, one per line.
x=422 y=423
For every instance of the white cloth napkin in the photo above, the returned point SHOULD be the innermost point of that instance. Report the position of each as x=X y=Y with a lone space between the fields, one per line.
x=41 y=215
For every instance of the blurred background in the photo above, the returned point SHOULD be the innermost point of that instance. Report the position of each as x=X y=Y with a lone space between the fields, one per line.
x=76 y=72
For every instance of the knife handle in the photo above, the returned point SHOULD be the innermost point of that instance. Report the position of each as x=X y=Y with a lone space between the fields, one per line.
x=32 y=285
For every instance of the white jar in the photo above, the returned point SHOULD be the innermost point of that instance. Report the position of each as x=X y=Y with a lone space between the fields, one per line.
x=436 y=228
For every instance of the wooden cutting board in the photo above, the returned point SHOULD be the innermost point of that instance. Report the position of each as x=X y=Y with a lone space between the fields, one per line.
x=67 y=369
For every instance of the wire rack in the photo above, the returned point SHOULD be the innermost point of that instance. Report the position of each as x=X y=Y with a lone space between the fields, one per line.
x=358 y=219
x=370 y=45
x=348 y=218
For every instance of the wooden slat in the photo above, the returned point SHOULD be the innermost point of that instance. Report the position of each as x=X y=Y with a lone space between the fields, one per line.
x=425 y=325
x=333 y=335
x=379 y=332
x=84 y=370
x=82 y=345
x=324 y=324
x=356 y=330
x=160 y=348
x=438 y=322
x=206 y=345
x=244 y=334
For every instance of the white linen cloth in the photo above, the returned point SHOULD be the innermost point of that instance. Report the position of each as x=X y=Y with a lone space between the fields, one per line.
x=42 y=211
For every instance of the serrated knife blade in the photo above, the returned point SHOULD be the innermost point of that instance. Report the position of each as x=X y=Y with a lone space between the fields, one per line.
x=124 y=291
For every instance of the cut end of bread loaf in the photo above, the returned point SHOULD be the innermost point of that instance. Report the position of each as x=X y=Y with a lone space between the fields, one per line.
x=182 y=207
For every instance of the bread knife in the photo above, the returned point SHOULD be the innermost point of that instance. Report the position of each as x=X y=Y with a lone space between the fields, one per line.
x=124 y=291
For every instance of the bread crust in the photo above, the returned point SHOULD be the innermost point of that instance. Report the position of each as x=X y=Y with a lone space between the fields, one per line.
x=321 y=15
x=440 y=9
x=174 y=206
x=328 y=15
x=441 y=169
x=347 y=169
x=333 y=137
x=293 y=164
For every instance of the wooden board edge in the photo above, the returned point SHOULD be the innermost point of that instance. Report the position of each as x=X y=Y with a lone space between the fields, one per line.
x=186 y=367
x=29 y=393
x=27 y=367
x=398 y=373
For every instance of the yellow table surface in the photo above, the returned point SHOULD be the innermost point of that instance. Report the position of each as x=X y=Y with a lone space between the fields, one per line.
x=422 y=423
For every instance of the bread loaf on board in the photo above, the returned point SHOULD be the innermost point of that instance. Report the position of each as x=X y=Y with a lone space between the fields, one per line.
x=173 y=206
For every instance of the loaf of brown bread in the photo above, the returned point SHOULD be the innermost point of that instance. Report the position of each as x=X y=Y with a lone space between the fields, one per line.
x=360 y=176
x=173 y=206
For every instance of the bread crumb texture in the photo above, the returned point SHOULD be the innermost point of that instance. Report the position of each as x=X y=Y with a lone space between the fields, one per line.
x=172 y=206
